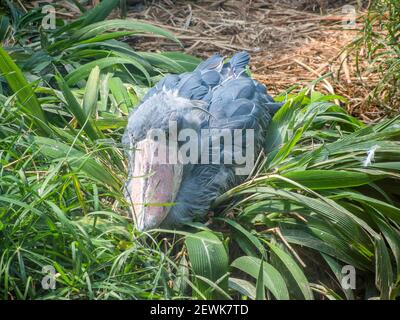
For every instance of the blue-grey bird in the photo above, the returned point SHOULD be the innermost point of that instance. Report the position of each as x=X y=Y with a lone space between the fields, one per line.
x=217 y=96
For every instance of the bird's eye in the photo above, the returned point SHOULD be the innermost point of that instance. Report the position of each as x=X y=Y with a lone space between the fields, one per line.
x=132 y=140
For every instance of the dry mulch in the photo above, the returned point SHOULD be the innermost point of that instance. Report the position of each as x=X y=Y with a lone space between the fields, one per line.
x=291 y=42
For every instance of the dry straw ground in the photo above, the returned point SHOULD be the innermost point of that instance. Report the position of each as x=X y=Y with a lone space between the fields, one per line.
x=291 y=41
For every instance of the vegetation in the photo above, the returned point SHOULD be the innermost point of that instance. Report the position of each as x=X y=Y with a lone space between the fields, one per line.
x=379 y=45
x=325 y=195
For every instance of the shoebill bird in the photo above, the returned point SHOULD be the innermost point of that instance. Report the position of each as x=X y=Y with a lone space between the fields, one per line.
x=216 y=96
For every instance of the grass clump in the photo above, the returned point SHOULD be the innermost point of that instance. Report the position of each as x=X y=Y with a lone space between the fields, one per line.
x=377 y=54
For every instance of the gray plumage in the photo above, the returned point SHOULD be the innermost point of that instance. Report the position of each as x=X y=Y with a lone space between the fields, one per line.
x=215 y=95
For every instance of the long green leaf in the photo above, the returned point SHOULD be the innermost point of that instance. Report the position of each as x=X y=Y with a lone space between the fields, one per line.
x=243 y=286
x=99 y=13
x=22 y=89
x=272 y=279
x=77 y=111
x=384 y=274
x=260 y=290
x=91 y=92
x=294 y=270
x=128 y=25
x=209 y=259
x=84 y=70
x=328 y=179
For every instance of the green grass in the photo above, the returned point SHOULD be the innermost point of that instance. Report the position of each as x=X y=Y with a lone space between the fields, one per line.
x=325 y=195
x=378 y=43
x=314 y=196
x=53 y=213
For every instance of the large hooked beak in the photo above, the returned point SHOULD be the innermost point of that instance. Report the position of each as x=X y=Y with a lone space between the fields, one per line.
x=154 y=184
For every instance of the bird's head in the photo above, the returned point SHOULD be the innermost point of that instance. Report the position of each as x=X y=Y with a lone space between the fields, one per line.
x=155 y=166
